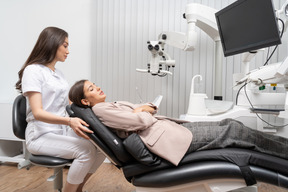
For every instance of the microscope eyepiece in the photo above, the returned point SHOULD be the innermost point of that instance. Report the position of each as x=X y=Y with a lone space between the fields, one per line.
x=150 y=47
x=156 y=47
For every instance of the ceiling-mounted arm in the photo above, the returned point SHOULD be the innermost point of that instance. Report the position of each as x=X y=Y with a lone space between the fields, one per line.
x=202 y=17
x=196 y=15
x=283 y=12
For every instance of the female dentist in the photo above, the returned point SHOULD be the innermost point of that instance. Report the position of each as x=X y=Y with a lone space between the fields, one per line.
x=50 y=131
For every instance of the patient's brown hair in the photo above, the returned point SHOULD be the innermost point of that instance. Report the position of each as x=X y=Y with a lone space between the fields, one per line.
x=76 y=93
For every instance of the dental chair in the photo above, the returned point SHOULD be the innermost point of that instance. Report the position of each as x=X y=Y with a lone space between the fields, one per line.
x=216 y=170
x=19 y=127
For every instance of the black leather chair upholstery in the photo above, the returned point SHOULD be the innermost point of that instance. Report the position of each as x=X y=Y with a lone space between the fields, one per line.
x=247 y=165
x=19 y=127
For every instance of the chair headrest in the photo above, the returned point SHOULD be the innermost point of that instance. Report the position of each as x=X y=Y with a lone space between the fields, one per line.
x=112 y=141
x=19 y=116
x=70 y=111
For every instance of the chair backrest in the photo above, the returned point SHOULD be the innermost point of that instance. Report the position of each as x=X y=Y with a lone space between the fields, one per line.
x=103 y=137
x=19 y=116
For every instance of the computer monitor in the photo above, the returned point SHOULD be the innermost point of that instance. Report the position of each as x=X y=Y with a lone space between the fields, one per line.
x=247 y=25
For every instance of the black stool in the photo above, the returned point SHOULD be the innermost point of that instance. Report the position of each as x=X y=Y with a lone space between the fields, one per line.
x=19 y=127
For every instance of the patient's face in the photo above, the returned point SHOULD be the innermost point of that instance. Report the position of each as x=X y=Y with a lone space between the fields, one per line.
x=93 y=94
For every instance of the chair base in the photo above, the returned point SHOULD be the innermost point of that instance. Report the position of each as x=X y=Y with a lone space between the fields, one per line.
x=52 y=162
x=57 y=178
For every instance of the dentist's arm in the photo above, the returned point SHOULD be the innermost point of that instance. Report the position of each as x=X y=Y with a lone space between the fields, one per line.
x=35 y=101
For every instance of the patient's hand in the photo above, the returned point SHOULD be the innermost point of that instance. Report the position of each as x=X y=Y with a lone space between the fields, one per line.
x=80 y=127
x=145 y=108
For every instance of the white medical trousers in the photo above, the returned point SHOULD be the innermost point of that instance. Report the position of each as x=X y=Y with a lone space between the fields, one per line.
x=87 y=158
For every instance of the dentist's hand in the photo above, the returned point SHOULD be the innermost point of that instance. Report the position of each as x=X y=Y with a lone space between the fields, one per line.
x=79 y=127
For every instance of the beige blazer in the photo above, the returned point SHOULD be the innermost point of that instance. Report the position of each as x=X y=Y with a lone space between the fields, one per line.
x=162 y=136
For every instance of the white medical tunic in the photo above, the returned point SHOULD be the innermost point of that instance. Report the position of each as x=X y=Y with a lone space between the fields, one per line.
x=54 y=90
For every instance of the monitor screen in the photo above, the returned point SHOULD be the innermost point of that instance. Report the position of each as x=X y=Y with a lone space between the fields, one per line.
x=247 y=25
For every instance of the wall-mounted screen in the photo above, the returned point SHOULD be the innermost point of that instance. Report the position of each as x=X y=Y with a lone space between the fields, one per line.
x=247 y=25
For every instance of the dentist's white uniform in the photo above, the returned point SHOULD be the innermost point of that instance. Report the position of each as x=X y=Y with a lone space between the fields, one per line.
x=52 y=139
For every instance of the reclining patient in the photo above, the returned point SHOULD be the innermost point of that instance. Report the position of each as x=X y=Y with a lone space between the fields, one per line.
x=169 y=138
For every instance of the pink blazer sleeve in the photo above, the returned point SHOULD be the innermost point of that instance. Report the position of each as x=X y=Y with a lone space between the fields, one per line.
x=119 y=115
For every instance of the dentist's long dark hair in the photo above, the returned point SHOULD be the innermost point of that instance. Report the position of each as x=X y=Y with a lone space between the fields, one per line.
x=44 y=50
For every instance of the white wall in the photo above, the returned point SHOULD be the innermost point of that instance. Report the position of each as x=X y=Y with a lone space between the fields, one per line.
x=20 y=25
x=22 y=21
